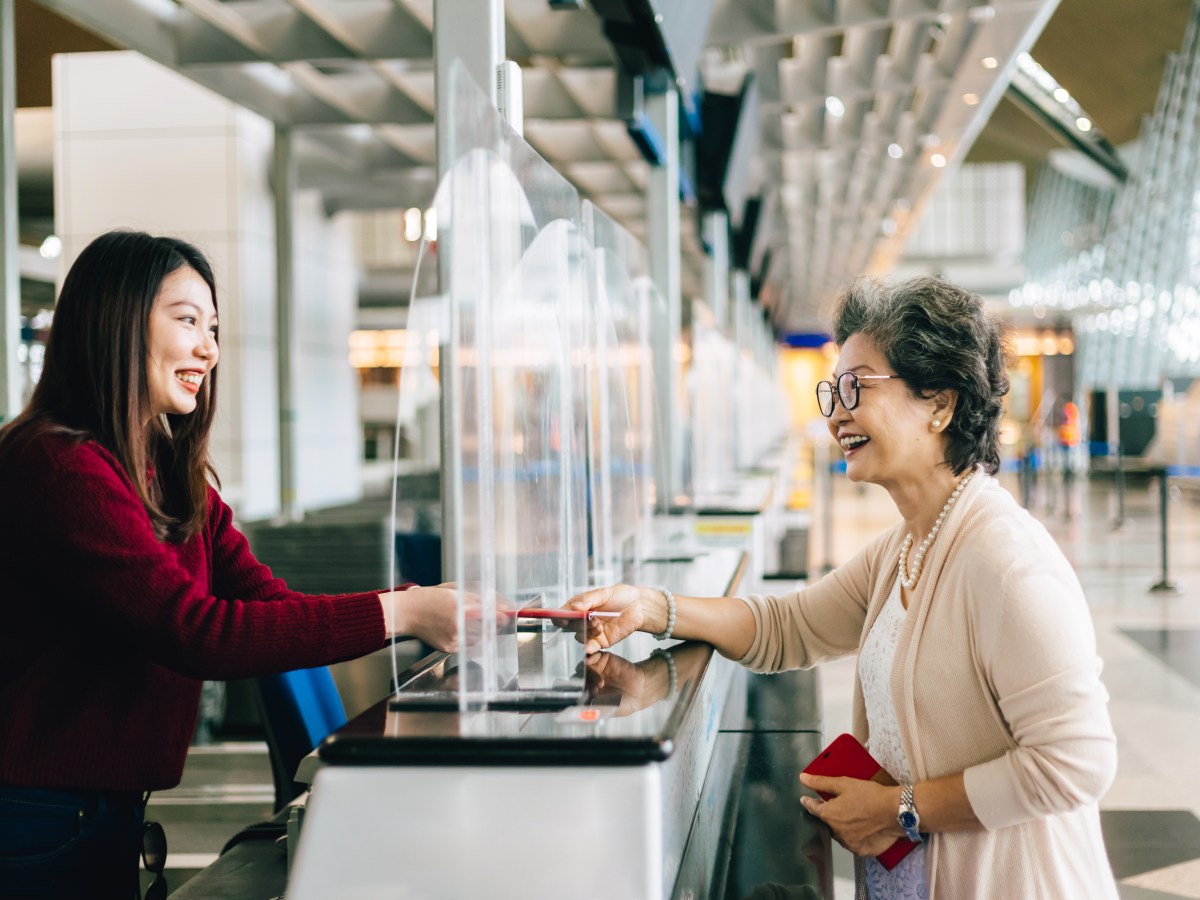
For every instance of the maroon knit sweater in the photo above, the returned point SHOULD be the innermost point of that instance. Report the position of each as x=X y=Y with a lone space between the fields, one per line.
x=108 y=632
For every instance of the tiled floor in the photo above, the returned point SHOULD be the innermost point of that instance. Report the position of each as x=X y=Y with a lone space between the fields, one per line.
x=1150 y=643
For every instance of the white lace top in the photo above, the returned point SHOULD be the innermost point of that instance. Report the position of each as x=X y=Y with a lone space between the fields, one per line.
x=909 y=880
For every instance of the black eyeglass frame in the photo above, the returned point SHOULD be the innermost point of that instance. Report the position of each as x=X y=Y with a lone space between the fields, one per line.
x=154 y=859
x=847 y=396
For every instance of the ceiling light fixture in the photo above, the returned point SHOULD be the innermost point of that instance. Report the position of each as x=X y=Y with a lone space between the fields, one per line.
x=990 y=62
x=1062 y=95
x=937 y=161
x=971 y=99
x=1083 y=123
x=412 y=224
x=895 y=151
x=835 y=107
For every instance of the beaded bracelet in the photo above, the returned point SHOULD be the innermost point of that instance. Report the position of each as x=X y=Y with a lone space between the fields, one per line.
x=666 y=633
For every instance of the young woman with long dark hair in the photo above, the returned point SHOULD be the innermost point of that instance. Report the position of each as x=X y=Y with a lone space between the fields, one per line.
x=126 y=583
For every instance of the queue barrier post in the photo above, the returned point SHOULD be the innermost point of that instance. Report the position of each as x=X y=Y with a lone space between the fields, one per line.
x=1164 y=585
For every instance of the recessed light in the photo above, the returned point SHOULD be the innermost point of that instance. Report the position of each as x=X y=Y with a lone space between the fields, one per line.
x=835 y=107
x=971 y=99
x=1062 y=95
x=1083 y=123
x=895 y=151
x=937 y=160
x=990 y=62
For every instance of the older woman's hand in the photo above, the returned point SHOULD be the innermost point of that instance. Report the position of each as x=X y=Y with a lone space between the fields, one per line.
x=625 y=599
x=861 y=815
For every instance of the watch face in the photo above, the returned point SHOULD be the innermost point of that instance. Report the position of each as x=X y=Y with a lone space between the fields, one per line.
x=908 y=820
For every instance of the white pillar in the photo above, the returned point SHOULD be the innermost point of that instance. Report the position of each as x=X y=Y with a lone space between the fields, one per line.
x=11 y=376
x=471 y=31
x=284 y=182
x=662 y=227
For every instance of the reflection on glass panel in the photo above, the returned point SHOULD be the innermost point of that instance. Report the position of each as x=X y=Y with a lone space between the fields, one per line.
x=511 y=263
x=619 y=408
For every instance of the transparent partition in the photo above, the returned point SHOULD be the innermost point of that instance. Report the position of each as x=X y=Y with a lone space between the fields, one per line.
x=712 y=378
x=511 y=315
x=620 y=407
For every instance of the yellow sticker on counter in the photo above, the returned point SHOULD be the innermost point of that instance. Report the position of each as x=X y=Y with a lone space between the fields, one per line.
x=721 y=528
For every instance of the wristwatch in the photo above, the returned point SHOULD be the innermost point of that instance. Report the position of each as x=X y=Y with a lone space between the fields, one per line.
x=909 y=820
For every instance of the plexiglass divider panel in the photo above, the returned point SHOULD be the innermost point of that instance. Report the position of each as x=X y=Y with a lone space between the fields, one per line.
x=712 y=379
x=620 y=408
x=513 y=358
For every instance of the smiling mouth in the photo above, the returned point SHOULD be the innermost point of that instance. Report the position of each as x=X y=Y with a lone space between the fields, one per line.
x=192 y=380
x=853 y=441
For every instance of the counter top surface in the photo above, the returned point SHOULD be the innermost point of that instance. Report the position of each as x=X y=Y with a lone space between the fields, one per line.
x=628 y=707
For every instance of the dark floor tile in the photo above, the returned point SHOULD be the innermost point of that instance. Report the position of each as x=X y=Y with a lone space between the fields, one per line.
x=1143 y=840
x=1179 y=648
x=1129 y=892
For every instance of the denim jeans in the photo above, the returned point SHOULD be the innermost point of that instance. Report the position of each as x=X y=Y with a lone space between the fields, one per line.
x=60 y=844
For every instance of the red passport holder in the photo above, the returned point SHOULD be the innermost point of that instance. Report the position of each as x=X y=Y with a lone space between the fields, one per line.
x=847 y=758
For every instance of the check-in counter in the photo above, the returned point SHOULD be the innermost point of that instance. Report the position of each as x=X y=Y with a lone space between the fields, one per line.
x=634 y=793
x=593 y=799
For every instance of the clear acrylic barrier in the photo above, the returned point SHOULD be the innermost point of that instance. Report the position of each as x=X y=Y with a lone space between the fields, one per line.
x=620 y=408
x=514 y=362
x=713 y=382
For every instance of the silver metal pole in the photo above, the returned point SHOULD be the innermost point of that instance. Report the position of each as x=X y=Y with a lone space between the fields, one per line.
x=662 y=227
x=285 y=321
x=10 y=285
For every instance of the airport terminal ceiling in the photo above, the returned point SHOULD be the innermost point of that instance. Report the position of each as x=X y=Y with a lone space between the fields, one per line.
x=361 y=92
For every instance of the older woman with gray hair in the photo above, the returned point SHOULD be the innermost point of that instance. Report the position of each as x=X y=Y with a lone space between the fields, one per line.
x=978 y=683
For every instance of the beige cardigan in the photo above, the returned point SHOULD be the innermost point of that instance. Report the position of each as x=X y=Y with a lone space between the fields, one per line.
x=995 y=676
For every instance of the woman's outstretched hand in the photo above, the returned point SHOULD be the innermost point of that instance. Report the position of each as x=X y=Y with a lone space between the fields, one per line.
x=632 y=604
x=428 y=613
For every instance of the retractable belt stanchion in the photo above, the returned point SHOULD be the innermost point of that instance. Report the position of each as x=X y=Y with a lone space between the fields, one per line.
x=1163 y=585
x=1119 y=480
x=1025 y=472
x=824 y=469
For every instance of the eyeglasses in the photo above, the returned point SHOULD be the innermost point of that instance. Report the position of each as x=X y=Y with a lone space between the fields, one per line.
x=846 y=391
x=154 y=858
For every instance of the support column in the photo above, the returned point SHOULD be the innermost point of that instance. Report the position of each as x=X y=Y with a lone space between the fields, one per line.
x=471 y=31
x=716 y=267
x=662 y=232
x=474 y=33
x=11 y=377
x=284 y=171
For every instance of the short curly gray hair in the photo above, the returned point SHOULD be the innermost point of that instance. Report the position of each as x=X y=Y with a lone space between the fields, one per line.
x=937 y=337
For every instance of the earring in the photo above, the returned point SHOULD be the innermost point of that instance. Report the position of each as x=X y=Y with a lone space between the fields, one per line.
x=937 y=423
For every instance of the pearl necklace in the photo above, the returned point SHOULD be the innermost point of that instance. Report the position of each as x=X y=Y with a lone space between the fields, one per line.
x=910 y=581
